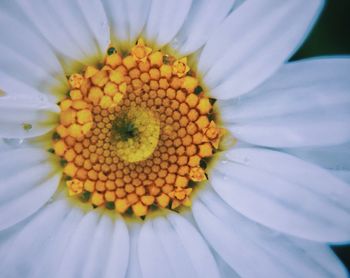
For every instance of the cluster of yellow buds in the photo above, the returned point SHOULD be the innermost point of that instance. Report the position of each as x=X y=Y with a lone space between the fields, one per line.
x=137 y=132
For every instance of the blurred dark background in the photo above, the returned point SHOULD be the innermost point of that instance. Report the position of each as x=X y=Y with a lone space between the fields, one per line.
x=331 y=35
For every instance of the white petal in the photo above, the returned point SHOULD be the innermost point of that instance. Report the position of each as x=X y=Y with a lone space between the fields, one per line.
x=252 y=250
x=7 y=144
x=330 y=157
x=100 y=242
x=14 y=87
x=165 y=20
x=23 y=181
x=53 y=252
x=285 y=193
x=26 y=58
x=319 y=83
x=23 y=73
x=78 y=247
x=118 y=18
x=253 y=42
x=127 y=19
x=3 y=145
x=8 y=236
x=118 y=256
x=25 y=205
x=13 y=161
x=134 y=269
x=294 y=170
x=201 y=22
x=324 y=256
x=151 y=255
x=224 y=268
x=49 y=243
x=245 y=258
x=97 y=22
x=305 y=104
x=40 y=184
x=180 y=263
x=309 y=129
x=23 y=118
x=343 y=175
x=23 y=255
x=70 y=27
x=195 y=246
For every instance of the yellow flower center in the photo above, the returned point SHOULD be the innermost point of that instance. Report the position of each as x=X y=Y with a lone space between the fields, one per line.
x=136 y=134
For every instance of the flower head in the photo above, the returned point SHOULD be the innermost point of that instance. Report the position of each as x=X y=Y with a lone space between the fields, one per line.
x=169 y=138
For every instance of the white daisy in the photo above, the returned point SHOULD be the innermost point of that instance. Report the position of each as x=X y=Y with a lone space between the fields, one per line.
x=109 y=132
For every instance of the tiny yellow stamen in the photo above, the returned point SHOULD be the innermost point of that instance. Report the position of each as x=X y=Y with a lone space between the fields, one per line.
x=197 y=174
x=205 y=150
x=194 y=160
x=100 y=78
x=97 y=199
x=166 y=71
x=189 y=83
x=110 y=196
x=84 y=116
x=202 y=122
x=139 y=209
x=181 y=181
x=110 y=89
x=180 y=67
x=140 y=51
x=122 y=87
x=213 y=134
x=75 y=80
x=114 y=60
x=147 y=200
x=90 y=72
x=60 y=147
x=79 y=104
x=129 y=62
x=89 y=186
x=180 y=196
x=204 y=106
x=192 y=100
x=116 y=76
x=75 y=187
x=70 y=169
x=156 y=58
x=86 y=128
x=163 y=200
x=75 y=131
x=62 y=131
x=95 y=95
x=117 y=98
x=106 y=102
x=65 y=104
x=121 y=205
x=67 y=117
x=69 y=155
x=76 y=94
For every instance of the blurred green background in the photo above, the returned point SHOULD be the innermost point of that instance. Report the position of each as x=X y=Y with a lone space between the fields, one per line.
x=330 y=36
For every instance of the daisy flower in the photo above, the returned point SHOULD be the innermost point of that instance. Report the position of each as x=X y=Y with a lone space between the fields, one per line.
x=170 y=139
